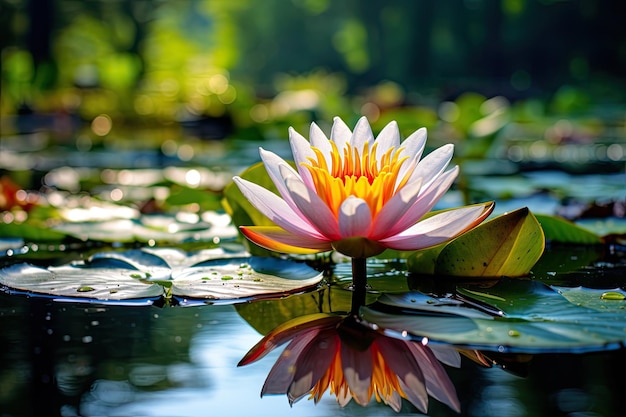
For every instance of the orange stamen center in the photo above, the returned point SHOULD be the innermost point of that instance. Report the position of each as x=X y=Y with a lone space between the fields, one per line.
x=357 y=173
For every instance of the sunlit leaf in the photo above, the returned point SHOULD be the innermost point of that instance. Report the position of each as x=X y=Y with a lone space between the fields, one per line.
x=79 y=281
x=560 y=230
x=508 y=245
x=30 y=232
x=163 y=272
x=159 y=228
x=512 y=316
x=243 y=277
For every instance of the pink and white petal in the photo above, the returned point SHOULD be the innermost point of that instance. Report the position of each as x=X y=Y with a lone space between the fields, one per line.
x=395 y=209
x=340 y=134
x=275 y=208
x=424 y=202
x=357 y=370
x=413 y=147
x=393 y=400
x=291 y=329
x=279 y=240
x=312 y=207
x=355 y=218
x=312 y=364
x=282 y=373
x=389 y=137
x=274 y=164
x=446 y=354
x=321 y=142
x=433 y=164
x=301 y=151
x=438 y=383
x=438 y=228
x=362 y=134
x=401 y=361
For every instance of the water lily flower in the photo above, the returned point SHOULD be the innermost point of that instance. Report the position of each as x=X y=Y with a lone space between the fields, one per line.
x=330 y=352
x=357 y=194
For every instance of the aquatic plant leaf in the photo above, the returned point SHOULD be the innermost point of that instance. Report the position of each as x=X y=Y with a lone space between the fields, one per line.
x=508 y=245
x=206 y=200
x=162 y=228
x=544 y=319
x=557 y=229
x=30 y=232
x=164 y=272
x=79 y=281
x=241 y=277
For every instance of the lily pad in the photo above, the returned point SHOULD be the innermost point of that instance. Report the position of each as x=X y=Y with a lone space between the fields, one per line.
x=544 y=319
x=243 y=277
x=158 y=228
x=560 y=230
x=164 y=272
x=79 y=281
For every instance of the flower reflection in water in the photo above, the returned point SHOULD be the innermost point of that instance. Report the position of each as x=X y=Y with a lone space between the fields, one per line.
x=354 y=361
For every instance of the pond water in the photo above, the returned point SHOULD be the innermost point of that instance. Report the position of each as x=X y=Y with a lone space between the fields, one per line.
x=86 y=359
x=63 y=358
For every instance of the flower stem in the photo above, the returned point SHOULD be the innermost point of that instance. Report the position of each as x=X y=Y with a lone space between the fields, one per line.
x=359 y=284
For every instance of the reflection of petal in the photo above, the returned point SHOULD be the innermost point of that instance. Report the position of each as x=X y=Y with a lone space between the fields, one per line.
x=351 y=360
x=287 y=331
x=357 y=369
x=313 y=363
x=403 y=363
x=438 y=383
x=282 y=373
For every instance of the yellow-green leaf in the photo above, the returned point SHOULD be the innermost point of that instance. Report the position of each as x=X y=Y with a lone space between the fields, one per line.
x=508 y=245
x=558 y=229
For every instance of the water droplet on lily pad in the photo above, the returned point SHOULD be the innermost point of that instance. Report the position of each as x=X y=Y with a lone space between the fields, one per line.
x=613 y=295
x=514 y=333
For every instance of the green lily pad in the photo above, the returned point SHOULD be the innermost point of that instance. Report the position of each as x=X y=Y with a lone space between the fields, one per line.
x=560 y=230
x=209 y=274
x=243 y=277
x=512 y=316
x=158 y=228
x=78 y=281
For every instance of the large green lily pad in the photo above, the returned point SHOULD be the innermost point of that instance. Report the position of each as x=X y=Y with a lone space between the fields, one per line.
x=210 y=274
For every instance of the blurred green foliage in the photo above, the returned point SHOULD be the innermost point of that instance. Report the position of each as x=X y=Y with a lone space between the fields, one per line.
x=465 y=68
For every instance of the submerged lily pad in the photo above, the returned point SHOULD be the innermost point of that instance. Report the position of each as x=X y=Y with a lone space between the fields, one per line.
x=544 y=319
x=163 y=272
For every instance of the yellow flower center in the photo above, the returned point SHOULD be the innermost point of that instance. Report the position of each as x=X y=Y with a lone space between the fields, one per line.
x=362 y=175
x=384 y=382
